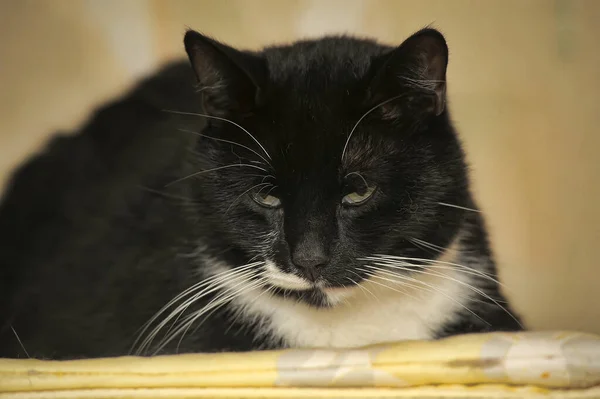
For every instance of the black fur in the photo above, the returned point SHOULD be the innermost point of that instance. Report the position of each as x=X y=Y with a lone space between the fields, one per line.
x=99 y=230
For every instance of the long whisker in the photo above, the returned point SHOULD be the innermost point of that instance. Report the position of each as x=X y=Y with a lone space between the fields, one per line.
x=180 y=310
x=363 y=117
x=239 y=312
x=393 y=273
x=201 y=284
x=440 y=292
x=224 y=120
x=371 y=273
x=207 y=282
x=226 y=141
x=168 y=195
x=237 y=165
x=459 y=207
x=413 y=267
x=218 y=302
x=20 y=342
x=430 y=262
x=183 y=325
x=241 y=279
x=402 y=284
x=427 y=246
x=474 y=289
x=478 y=291
x=184 y=306
x=362 y=287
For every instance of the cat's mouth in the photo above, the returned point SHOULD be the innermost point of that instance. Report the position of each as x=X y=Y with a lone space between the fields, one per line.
x=287 y=281
x=290 y=282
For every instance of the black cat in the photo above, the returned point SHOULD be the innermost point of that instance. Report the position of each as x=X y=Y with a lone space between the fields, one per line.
x=308 y=195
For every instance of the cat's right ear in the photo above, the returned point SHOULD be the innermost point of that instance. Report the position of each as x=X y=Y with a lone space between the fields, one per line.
x=413 y=73
x=230 y=81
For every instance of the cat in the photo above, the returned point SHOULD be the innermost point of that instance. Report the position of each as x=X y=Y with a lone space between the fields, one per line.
x=310 y=195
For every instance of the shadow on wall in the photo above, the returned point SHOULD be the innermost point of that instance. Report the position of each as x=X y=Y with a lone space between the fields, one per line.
x=523 y=86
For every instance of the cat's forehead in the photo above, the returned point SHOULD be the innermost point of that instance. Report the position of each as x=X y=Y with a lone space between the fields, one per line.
x=309 y=142
x=315 y=96
x=334 y=58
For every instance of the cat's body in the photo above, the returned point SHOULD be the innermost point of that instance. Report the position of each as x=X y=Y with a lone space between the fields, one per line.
x=104 y=228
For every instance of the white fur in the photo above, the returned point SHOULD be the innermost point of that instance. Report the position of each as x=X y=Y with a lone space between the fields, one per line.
x=283 y=280
x=374 y=314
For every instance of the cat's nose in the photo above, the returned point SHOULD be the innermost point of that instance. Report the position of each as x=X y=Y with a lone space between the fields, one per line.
x=310 y=263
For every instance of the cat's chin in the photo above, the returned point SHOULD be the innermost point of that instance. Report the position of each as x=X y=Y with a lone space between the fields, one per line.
x=316 y=297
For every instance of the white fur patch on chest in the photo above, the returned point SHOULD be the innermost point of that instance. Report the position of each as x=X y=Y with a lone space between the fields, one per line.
x=374 y=313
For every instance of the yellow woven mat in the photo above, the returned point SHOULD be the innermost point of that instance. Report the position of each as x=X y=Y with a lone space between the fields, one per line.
x=498 y=365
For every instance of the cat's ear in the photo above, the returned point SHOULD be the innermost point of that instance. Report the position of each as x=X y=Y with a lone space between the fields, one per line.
x=230 y=81
x=411 y=79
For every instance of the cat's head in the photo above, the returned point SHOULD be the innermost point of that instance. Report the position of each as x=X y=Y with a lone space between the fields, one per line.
x=326 y=152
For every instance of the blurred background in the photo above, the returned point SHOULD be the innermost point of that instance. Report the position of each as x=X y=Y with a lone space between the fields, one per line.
x=523 y=88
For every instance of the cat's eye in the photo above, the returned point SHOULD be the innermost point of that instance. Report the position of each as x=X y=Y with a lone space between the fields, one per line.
x=356 y=198
x=266 y=200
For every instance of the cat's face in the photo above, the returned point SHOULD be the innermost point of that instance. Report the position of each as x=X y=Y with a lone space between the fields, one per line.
x=328 y=156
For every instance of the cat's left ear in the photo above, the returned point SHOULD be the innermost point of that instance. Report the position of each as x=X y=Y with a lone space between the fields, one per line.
x=414 y=73
x=230 y=80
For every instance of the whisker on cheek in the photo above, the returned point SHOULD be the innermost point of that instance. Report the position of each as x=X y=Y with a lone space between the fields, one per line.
x=189 y=297
x=206 y=311
x=459 y=207
x=362 y=287
x=435 y=289
x=398 y=289
x=403 y=260
x=216 y=304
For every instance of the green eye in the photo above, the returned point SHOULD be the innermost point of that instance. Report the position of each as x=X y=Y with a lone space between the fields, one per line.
x=266 y=200
x=355 y=199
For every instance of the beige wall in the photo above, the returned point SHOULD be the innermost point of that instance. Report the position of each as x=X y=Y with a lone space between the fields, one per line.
x=524 y=90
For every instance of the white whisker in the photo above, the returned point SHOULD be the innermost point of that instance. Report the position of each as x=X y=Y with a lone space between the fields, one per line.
x=396 y=274
x=426 y=245
x=20 y=342
x=430 y=262
x=224 y=300
x=413 y=267
x=371 y=273
x=362 y=287
x=197 y=286
x=240 y=311
x=237 y=165
x=171 y=196
x=219 y=301
x=207 y=289
x=474 y=289
x=440 y=292
x=227 y=141
x=363 y=117
x=403 y=292
x=459 y=207
x=224 y=120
